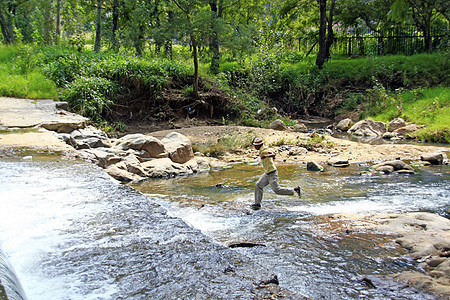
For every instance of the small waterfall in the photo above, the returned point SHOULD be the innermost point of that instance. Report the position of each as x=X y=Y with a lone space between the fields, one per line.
x=10 y=287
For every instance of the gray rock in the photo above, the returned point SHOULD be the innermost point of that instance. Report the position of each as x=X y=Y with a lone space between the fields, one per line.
x=313 y=166
x=101 y=157
x=405 y=130
x=339 y=162
x=178 y=146
x=396 y=164
x=396 y=124
x=300 y=128
x=121 y=174
x=386 y=169
x=89 y=137
x=435 y=158
x=165 y=167
x=278 y=125
x=62 y=105
x=368 y=128
x=63 y=126
x=436 y=261
x=344 y=125
x=153 y=146
x=404 y=172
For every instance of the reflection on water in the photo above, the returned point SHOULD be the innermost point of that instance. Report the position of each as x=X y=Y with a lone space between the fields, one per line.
x=315 y=263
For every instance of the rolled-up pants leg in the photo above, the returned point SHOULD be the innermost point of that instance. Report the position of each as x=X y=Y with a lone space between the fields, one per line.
x=273 y=180
x=262 y=182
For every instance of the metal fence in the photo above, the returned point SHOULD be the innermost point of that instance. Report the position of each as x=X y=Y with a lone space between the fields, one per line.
x=398 y=40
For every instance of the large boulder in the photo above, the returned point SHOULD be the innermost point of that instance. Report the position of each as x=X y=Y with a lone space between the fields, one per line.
x=402 y=131
x=396 y=124
x=435 y=158
x=300 y=128
x=278 y=125
x=140 y=142
x=103 y=157
x=178 y=147
x=368 y=128
x=165 y=167
x=344 y=125
x=64 y=126
x=120 y=174
x=89 y=137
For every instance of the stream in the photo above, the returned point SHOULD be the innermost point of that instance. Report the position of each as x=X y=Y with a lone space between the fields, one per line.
x=69 y=231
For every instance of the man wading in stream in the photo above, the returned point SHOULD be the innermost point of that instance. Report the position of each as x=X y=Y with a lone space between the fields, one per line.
x=270 y=175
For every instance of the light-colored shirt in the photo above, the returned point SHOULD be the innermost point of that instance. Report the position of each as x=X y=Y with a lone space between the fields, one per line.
x=267 y=162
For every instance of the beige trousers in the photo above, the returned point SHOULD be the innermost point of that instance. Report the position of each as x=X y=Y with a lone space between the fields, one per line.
x=272 y=179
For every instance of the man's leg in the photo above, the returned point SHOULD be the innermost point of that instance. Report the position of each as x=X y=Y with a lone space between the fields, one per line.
x=262 y=182
x=273 y=180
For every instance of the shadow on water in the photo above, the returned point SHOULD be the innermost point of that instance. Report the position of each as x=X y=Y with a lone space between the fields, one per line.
x=298 y=244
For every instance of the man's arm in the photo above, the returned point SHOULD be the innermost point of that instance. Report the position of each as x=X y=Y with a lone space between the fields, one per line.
x=270 y=154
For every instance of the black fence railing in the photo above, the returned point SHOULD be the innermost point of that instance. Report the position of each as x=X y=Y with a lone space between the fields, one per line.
x=398 y=40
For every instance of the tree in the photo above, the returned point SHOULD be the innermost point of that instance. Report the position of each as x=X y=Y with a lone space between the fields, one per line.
x=214 y=40
x=98 y=26
x=115 y=21
x=292 y=10
x=7 y=14
x=326 y=24
x=190 y=9
x=422 y=12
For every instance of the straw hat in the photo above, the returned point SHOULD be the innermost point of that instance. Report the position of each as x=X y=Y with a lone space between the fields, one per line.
x=258 y=141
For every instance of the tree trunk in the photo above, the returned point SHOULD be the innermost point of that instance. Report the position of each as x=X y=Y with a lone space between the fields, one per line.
x=58 y=21
x=168 y=45
x=427 y=36
x=330 y=38
x=195 y=56
x=322 y=55
x=47 y=7
x=98 y=24
x=115 y=20
x=6 y=23
x=214 y=40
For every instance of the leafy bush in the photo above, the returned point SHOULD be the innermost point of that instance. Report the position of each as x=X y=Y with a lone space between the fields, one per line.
x=90 y=96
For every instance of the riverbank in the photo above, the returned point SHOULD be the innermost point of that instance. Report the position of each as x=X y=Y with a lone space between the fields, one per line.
x=24 y=121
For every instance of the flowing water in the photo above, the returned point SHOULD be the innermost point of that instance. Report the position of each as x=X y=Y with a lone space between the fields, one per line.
x=71 y=232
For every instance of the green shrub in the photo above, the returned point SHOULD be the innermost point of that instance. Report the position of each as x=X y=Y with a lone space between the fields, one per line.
x=90 y=96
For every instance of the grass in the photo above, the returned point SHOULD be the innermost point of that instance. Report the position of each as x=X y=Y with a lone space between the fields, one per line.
x=15 y=83
x=429 y=107
x=229 y=142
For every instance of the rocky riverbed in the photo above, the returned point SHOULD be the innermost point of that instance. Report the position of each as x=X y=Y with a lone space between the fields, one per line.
x=42 y=125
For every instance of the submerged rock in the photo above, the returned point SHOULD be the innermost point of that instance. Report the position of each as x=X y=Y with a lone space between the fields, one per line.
x=313 y=166
x=393 y=166
x=339 y=162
